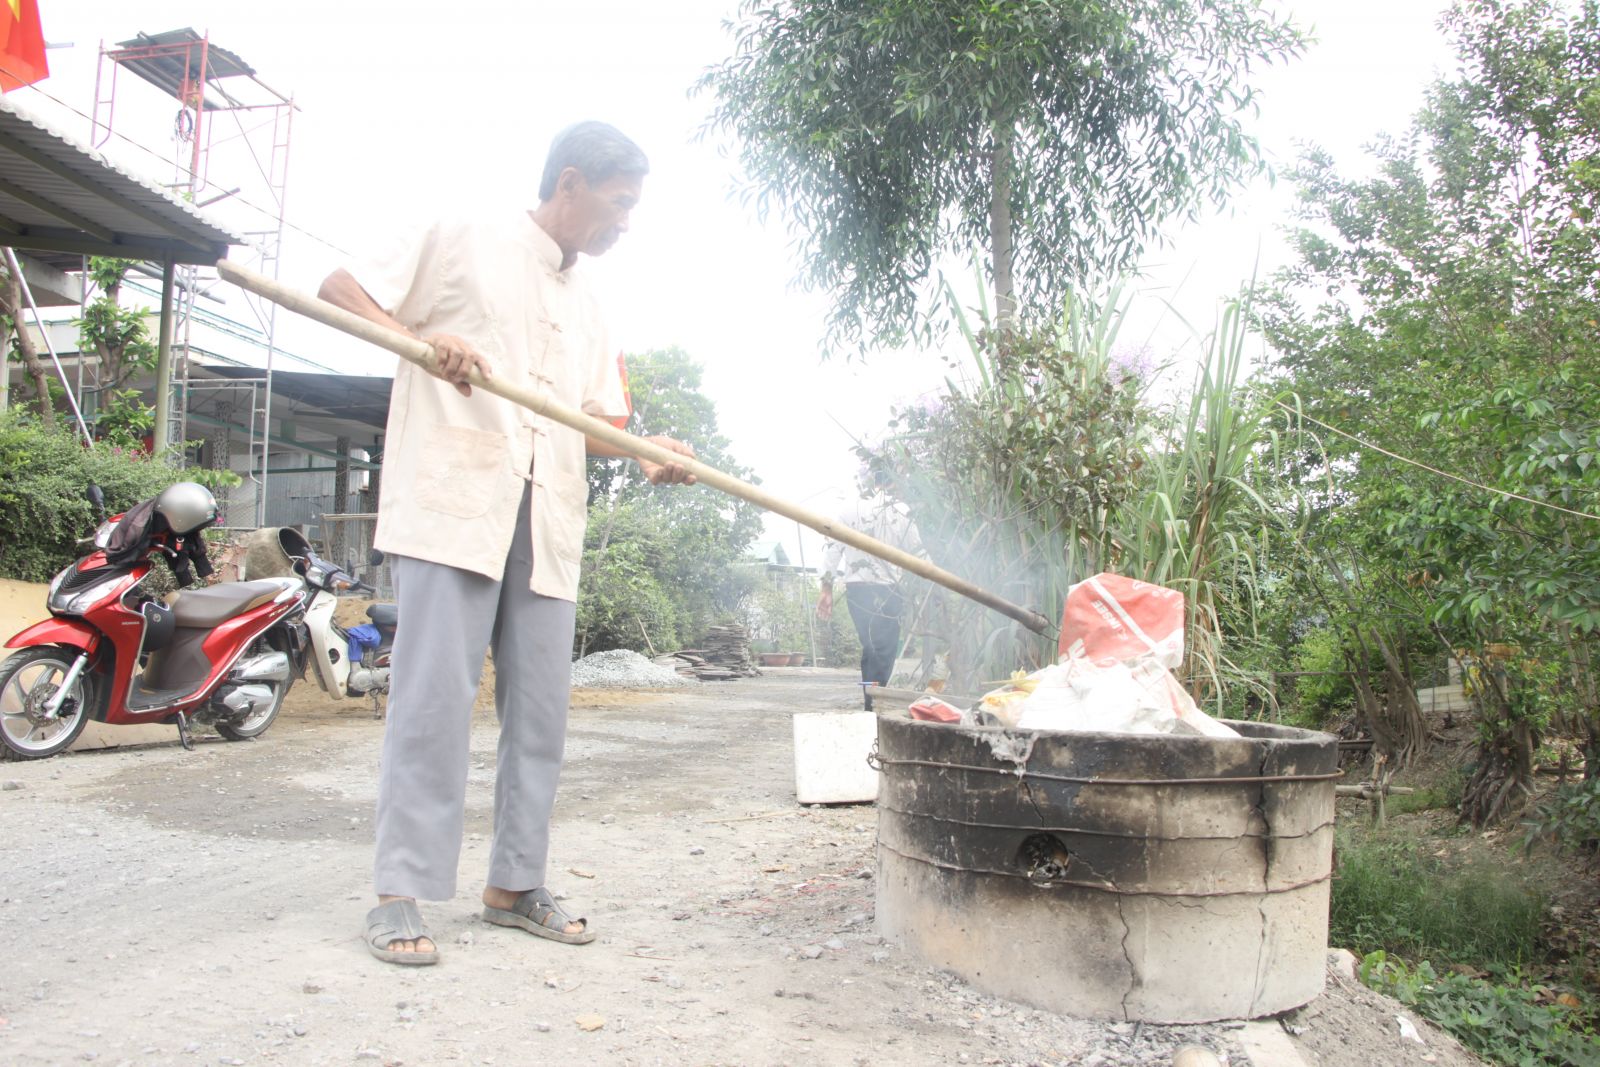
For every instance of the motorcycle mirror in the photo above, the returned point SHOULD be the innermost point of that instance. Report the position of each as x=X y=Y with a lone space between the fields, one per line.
x=97 y=497
x=374 y=558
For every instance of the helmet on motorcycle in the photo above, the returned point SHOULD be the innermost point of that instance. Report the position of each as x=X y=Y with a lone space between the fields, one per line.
x=187 y=507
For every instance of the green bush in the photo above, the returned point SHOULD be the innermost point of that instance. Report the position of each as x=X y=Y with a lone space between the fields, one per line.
x=1505 y=1024
x=1320 y=696
x=1568 y=818
x=1390 y=894
x=44 y=477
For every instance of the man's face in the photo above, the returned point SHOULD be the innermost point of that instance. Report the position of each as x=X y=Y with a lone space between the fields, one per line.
x=601 y=211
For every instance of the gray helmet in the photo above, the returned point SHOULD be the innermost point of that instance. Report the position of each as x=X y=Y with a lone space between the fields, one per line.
x=187 y=506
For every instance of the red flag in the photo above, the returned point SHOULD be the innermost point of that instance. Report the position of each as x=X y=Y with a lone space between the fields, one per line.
x=22 y=59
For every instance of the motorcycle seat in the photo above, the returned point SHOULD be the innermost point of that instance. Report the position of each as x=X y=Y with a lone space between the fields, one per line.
x=216 y=604
x=384 y=616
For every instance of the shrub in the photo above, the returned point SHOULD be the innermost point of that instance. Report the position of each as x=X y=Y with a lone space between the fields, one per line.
x=44 y=476
x=1568 y=818
x=1389 y=894
x=1506 y=1024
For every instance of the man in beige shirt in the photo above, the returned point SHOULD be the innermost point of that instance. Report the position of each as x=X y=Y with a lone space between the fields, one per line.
x=483 y=510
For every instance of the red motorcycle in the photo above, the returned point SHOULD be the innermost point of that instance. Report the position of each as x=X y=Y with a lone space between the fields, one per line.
x=111 y=651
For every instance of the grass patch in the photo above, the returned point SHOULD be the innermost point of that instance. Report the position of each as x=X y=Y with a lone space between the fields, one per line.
x=1445 y=793
x=1391 y=894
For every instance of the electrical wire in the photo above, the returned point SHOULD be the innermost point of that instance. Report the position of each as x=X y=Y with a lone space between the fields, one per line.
x=1435 y=470
x=265 y=212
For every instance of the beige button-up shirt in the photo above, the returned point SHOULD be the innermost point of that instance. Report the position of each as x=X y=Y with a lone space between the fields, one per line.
x=455 y=467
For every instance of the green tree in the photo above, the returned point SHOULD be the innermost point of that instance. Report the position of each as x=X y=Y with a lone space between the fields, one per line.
x=1453 y=323
x=1057 y=135
x=121 y=343
x=663 y=545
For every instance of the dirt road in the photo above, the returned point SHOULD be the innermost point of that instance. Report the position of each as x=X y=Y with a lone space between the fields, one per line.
x=172 y=907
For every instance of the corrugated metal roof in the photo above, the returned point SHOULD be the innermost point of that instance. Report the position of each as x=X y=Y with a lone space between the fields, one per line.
x=171 y=61
x=57 y=195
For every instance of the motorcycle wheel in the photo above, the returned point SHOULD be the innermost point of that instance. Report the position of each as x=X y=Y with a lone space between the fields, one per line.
x=28 y=680
x=256 y=725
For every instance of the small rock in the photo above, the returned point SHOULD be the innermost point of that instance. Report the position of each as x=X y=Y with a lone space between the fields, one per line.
x=856 y=919
x=590 y=1022
x=697 y=851
x=681 y=916
x=833 y=943
x=230 y=1061
x=465 y=938
x=1343 y=961
x=879 y=956
x=192 y=1047
x=1195 y=1056
x=765 y=931
x=811 y=952
x=298 y=1030
x=674 y=982
x=543 y=1028
x=369 y=1054
x=11 y=785
x=407 y=1016
x=607 y=820
x=872 y=939
x=311 y=987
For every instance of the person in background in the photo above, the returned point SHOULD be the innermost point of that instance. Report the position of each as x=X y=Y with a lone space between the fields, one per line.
x=871 y=586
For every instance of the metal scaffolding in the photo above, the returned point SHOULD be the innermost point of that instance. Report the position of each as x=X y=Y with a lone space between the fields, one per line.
x=214 y=88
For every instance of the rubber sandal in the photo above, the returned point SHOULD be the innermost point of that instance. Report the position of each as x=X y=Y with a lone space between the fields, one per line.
x=398 y=920
x=537 y=912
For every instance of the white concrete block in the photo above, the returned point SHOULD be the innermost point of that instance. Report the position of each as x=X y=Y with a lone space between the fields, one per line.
x=830 y=757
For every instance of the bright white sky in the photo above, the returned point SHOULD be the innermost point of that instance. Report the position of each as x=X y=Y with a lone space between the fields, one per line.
x=408 y=108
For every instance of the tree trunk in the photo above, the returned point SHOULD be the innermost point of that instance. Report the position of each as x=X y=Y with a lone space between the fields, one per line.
x=11 y=296
x=1504 y=776
x=1587 y=688
x=1000 y=228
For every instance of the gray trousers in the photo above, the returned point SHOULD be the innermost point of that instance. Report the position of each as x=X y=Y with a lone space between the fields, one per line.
x=448 y=618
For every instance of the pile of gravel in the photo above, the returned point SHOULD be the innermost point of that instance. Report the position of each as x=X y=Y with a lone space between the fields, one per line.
x=622 y=669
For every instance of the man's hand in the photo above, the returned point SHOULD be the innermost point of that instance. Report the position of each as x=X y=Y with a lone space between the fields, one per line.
x=454 y=359
x=825 y=602
x=668 y=473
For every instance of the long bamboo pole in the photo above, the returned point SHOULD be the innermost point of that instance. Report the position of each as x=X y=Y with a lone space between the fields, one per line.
x=415 y=351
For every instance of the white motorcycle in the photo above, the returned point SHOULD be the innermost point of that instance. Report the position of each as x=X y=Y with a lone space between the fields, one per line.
x=348 y=662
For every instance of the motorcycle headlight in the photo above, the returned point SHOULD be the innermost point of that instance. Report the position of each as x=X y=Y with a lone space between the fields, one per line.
x=73 y=592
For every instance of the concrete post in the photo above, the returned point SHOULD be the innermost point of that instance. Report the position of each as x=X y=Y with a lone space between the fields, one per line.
x=164 y=363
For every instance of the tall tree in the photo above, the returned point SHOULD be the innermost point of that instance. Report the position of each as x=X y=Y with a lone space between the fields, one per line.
x=1454 y=324
x=657 y=558
x=1058 y=135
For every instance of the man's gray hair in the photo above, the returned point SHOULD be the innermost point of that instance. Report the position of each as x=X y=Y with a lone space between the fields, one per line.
x=599 y=151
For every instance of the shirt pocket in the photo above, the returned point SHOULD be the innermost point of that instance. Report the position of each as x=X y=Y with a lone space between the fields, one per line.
x=461 y=471
x=569 y=514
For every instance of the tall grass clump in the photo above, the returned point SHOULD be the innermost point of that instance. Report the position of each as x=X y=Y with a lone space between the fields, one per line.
x=1390 y=894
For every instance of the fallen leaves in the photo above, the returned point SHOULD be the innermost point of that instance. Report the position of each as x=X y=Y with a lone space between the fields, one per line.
x=590 y=1023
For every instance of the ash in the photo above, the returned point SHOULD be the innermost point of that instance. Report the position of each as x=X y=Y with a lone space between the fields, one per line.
x=622 y=669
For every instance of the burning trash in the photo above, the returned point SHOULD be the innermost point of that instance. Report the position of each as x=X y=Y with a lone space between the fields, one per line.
x=1121 y=640
x=1084 y=839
